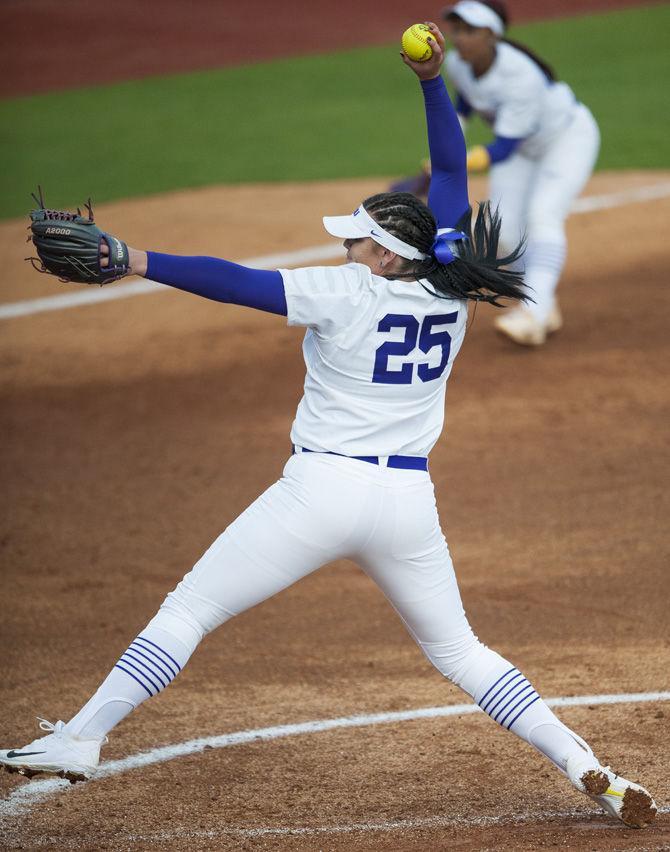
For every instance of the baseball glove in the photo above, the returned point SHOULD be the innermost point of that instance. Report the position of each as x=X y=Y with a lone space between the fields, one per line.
x=68 y=245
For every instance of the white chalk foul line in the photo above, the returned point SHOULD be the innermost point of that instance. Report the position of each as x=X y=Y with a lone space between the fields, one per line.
x=651 y=192
x=166 y=836
x=20 y=801
x=329 y=251
x=356 y=827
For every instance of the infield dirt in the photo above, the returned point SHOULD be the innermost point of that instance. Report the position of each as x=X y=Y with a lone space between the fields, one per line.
x=125 y=40
x=134 y=431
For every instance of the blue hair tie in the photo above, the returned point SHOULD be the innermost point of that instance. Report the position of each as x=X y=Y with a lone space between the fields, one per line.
x=442 y=249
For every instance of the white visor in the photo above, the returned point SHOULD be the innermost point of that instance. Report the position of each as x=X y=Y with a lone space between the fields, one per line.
x=360 y=224
x=477 y=15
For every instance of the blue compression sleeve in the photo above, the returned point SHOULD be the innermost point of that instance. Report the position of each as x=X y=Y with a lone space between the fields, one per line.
x=502 y=147
x=448 y=194
x=220 y=280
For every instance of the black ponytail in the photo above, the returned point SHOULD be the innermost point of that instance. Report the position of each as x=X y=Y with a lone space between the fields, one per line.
x=544 y=67
x=500 y=8
x=476 y=274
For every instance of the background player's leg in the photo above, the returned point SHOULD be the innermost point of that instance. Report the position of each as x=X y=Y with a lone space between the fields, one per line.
x=511 y=184
x=509 y=190
x=562 y=174
x=298 y=524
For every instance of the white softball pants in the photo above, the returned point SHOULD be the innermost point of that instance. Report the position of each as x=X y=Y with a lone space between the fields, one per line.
x=534 y=197
x=324 y=508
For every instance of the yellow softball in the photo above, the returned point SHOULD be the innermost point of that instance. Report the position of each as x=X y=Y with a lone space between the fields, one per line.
x=415 y=43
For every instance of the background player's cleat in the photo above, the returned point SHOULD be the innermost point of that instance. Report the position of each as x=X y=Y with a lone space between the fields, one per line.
x=522 y=327
x=623 y=799
x=57 y=753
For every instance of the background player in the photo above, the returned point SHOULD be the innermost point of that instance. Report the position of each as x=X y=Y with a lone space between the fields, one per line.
x=545 y=147
x=382 y=335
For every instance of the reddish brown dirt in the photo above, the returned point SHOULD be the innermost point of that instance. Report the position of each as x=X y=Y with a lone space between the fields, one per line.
x=134 y=431
x=48 y=44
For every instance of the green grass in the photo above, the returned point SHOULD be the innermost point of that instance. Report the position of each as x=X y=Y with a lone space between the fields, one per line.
x=351 y=113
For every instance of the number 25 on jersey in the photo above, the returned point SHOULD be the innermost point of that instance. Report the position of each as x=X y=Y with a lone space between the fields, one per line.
x=427 y=340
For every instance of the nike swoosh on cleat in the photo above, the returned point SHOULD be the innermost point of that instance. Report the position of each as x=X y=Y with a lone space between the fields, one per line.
x=12 y=754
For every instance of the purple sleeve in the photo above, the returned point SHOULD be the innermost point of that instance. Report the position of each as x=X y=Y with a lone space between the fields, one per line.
x=448 y=194
x=220 y=280
x=502 y=147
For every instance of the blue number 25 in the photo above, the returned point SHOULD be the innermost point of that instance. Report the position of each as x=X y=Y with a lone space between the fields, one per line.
x=428 y=339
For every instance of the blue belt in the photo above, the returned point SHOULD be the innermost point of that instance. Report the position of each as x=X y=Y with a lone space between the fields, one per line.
x=403 y=462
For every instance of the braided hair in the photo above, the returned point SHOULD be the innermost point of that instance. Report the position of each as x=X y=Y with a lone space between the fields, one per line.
x=476 y=273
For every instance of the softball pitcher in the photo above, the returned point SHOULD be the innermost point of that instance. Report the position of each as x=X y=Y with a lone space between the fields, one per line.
x=383 y=331
x=545 y=147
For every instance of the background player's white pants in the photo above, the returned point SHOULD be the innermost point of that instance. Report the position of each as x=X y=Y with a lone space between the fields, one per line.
x=534 y=197
x=325 y=508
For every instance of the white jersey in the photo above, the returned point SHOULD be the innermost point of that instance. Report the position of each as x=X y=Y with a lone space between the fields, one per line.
x=515 y=97
x=378 y=356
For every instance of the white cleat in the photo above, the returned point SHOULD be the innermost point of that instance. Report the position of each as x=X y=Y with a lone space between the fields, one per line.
x=523 y=328
x=57 y=753
x=626 y=801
